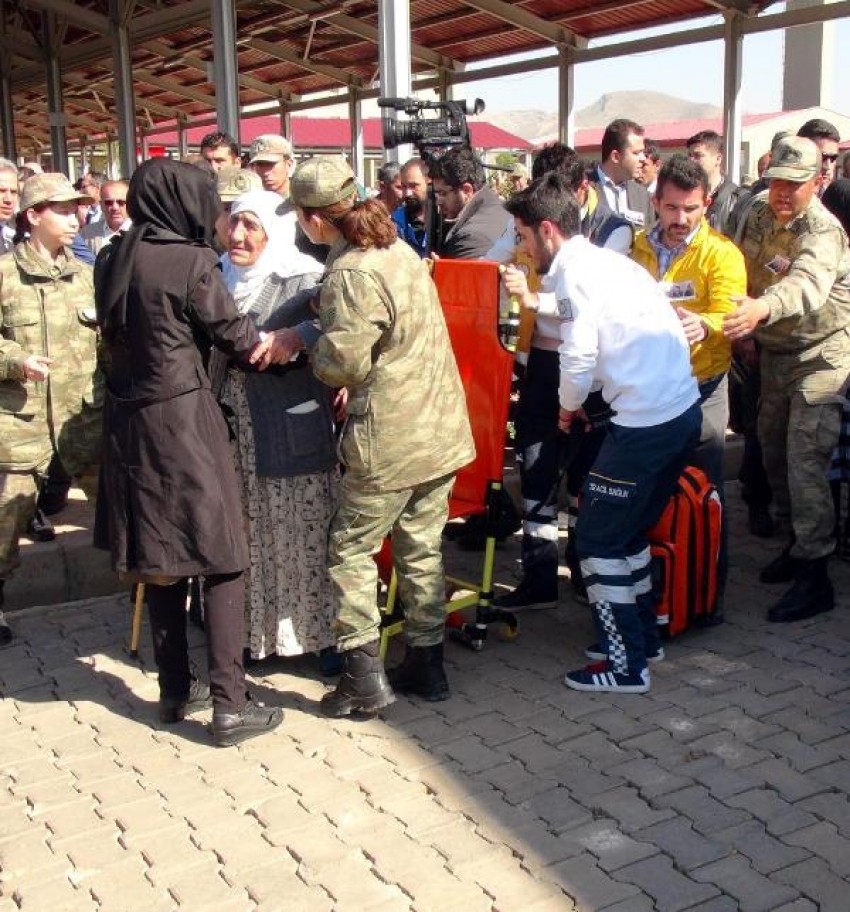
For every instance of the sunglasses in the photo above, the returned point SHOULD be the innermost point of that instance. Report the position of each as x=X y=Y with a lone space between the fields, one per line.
x=114 y=202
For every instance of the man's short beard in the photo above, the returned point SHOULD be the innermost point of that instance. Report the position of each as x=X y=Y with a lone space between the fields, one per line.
x=413 y=206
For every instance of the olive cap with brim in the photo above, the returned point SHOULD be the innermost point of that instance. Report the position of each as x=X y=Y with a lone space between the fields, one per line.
x=51 y=187
x=794 y=158
x=321 y=181
x=269 y=148
x=233 y=181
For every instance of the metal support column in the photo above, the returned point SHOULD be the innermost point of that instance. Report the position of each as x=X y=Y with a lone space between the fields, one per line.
x=225 y=66
x=445 y=88
x=285 y=118
x=733 y=45
x=566 y=96
x=7 y=116
x=55 y=111
x=355 y=117
x=125 y=102
x=182 y=144
x=394 y=59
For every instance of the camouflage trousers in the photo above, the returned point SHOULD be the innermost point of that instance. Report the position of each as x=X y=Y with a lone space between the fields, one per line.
x=799 y=423
x=18 y=495
x=415 y=517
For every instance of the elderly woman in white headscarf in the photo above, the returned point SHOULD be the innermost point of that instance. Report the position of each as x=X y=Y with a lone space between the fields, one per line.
x=283 y=423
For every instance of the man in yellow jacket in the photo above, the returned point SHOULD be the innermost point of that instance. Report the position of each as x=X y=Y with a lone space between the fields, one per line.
x=702 y=273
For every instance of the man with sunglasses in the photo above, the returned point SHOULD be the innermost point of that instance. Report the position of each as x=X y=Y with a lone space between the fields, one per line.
x=113 y=202
x=826 y=137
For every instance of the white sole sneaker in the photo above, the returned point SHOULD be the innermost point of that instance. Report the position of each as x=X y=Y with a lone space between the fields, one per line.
x=597 y=655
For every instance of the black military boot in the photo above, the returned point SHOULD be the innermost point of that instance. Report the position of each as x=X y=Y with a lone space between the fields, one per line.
x=781 y=569
x=811 y=594
x=421 y=673
x=363 y=685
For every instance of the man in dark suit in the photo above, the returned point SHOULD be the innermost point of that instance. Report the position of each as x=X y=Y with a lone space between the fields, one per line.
x=623 y=156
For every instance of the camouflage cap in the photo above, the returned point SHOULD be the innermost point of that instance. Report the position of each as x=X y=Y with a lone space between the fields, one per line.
x=321 y=181
x=233 y=181
x=793 y=159
x=269 y=148
x=519 y=170
x=51 y=187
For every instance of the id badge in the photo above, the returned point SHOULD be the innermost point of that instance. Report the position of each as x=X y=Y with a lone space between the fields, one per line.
x=679 y=291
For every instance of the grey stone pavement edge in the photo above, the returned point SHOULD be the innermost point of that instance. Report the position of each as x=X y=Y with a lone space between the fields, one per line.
x=726 y=787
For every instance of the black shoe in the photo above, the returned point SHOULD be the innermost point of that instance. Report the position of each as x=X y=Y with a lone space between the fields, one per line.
x=781 y=569
x=40 y=528
x=362 y=687
x=528 y=594
x=6 y=635
x=760 y=521
x=421 y=673
x=255 y=719
x=811 y=594
x=175 y=709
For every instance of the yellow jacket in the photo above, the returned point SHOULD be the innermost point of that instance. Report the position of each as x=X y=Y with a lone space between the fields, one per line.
x=715 y=269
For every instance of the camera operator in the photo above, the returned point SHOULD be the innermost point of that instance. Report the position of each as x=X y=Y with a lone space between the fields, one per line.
x=474 y=217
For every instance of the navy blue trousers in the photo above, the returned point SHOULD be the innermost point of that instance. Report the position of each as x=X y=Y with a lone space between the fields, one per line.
x=624 y=495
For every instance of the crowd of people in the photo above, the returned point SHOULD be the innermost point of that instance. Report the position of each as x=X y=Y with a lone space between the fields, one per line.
x=257 y=379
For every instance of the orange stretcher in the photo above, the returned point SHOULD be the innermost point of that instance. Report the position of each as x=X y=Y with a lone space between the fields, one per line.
x=469 y=293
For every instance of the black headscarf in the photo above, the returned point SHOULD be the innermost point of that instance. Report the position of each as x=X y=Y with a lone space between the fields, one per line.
x=836 y=198
x=170 y=203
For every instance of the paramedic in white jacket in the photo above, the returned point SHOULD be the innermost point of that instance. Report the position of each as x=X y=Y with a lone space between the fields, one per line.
x=618 y=333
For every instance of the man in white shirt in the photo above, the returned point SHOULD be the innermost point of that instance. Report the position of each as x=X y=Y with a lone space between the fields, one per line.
x=113 y=201
x=623 y=156
x=9 y=194
x=618 y=334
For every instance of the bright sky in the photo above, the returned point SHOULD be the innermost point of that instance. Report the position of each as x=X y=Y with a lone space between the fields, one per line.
x=694 y=72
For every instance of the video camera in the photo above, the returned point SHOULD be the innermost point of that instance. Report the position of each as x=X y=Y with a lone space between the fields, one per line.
x=432 y=136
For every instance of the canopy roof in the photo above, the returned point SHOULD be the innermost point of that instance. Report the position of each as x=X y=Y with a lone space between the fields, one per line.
x=287 y=49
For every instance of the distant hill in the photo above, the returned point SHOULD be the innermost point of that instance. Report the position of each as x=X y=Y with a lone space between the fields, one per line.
x=644 y=107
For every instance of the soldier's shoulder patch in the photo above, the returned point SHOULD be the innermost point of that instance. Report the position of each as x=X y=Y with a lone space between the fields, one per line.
x=566 y=310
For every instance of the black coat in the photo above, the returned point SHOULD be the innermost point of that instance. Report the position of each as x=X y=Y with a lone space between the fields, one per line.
x=170 y=503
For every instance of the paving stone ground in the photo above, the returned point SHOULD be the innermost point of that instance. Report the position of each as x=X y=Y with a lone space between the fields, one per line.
x=726 y=787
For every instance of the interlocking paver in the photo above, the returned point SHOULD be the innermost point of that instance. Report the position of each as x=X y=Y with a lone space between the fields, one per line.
x=725 y=787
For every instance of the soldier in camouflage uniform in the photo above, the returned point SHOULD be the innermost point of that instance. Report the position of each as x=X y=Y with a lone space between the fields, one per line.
x=798 y=267
x=407 y=432
x=49 y=385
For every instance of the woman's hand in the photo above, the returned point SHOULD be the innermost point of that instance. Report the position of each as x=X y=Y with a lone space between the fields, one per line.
x=277 y=347
x=37 y=367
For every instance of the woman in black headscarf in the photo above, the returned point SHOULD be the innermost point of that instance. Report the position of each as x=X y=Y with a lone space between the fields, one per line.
x=170 y=502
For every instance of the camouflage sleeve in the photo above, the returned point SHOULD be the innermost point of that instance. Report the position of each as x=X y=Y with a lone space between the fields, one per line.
x=727 y=278
x=12 y=356
x=806 y=285
x=354 y=316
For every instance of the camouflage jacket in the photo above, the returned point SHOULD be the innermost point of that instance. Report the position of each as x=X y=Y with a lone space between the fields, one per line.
x=802 y=271
x=42 y=314
x=384 y=337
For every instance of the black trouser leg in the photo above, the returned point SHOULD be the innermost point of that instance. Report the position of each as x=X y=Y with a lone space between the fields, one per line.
x=167 y=613
x=224 y=612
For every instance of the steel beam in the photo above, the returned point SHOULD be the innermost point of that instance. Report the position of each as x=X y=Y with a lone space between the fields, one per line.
x=174 y=88
x=125 y=104
x=80 y=82
x=566 y=97
x=55 y=112
x=733 y=45
x=355 y=118
x=7 y=115
x=225 y=66
x=280 y=52
x=72 y=12
x=519 y=17
x=394 y=59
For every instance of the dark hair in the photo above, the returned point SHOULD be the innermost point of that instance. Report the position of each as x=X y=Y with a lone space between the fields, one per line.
x=98 y=177
x=836 y=198
x=363 y=223
x=549 y=199
x=561 y=158
x=708 y=138
x=214 y=140
x=458 y=167
x=616 y=136
x=388 y=172
x=22 y=223
x=652 y=150
x=819 y=129
x=682 y=172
